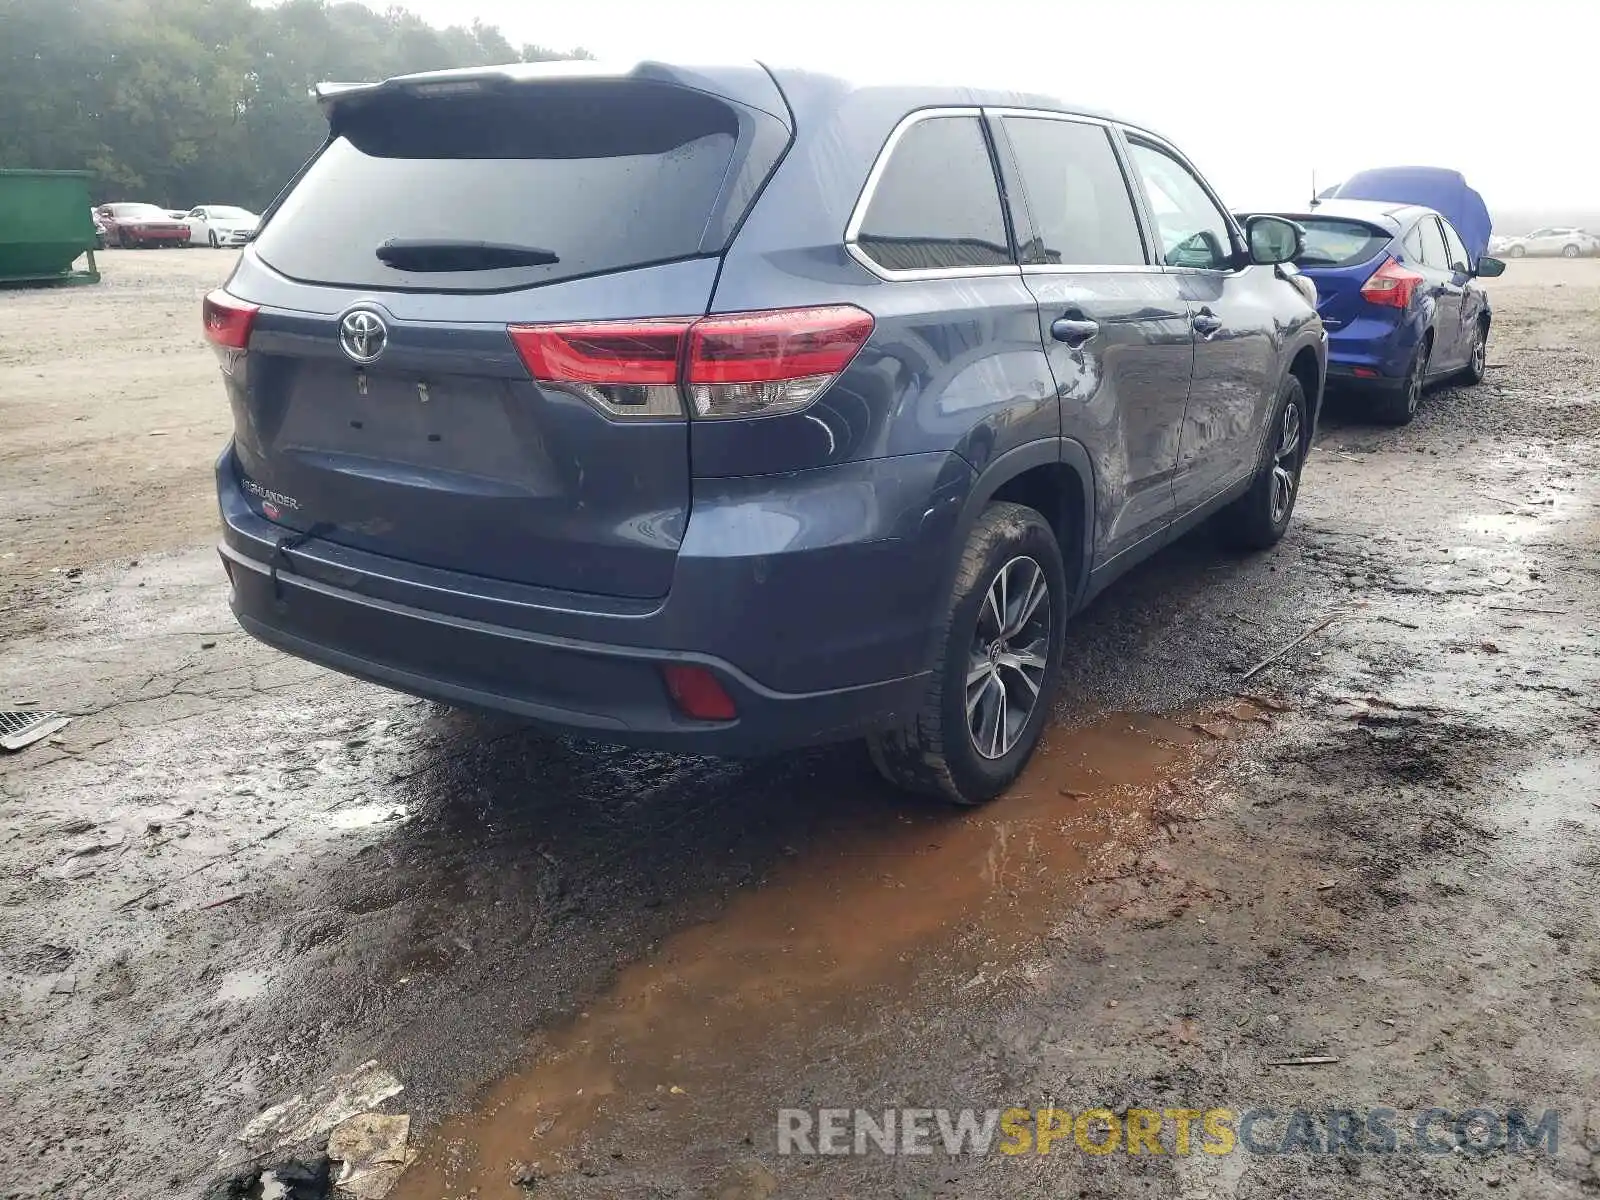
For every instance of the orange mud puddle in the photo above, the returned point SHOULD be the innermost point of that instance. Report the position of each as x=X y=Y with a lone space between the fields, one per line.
x=922 y=904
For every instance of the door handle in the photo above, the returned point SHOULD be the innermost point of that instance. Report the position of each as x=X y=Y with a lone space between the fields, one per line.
x=1074 y=331
x=1206 y=322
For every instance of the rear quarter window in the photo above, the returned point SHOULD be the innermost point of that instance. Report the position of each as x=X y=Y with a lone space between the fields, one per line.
x=602 y=177
x=936 y=203
x=1332 y=243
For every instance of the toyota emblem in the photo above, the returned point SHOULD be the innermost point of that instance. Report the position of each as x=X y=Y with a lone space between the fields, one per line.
x=363 y=335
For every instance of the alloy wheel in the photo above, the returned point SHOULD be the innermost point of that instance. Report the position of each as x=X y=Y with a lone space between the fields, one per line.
x=1286 y=464
x=1414 y=378
x=1480 y=354
x=1009 y=655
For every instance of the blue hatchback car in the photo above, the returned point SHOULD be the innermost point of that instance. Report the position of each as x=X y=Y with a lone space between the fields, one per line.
x=727 y=410
x=1397 y=290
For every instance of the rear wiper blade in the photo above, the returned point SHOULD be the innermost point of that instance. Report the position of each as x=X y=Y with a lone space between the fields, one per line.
x=418 y=254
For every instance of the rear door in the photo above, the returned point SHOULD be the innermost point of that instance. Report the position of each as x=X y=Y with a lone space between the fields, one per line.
x=387 y=406
x=1233 y=311
x=1447 y=290
x=1469 y=297
x=1115 y=326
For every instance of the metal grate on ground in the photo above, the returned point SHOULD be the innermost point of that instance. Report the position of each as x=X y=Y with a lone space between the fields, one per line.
x=19 y=729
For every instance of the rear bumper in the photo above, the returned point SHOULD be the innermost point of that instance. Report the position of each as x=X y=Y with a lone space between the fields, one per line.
x=814 y=644
x=1371 y=352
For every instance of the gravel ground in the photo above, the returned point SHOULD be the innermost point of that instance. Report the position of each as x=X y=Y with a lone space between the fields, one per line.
x=235 y=875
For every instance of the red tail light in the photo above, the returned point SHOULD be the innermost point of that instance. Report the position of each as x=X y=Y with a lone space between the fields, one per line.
x=745 y=364
x=639 y=353
x=756 y=364
x=1392 y=285
x=698 y=693
x=228 y=320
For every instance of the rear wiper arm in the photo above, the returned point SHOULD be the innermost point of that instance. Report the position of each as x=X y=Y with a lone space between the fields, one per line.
x=418 y=254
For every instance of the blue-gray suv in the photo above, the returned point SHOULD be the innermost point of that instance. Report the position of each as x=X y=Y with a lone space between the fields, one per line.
x=734 y=409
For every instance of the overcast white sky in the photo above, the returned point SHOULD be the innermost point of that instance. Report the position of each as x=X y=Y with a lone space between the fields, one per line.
x=1258 y=92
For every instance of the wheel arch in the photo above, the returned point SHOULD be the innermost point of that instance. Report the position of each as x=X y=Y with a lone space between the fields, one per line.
x=1055 y=476
x=1307 y=366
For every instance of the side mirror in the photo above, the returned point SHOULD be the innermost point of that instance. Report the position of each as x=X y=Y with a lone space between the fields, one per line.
x=1274 y=240
x=1490 y=268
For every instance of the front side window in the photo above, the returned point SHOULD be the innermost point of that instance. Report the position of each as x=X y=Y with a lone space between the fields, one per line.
x=1082 y=212
x=937 y=204
x=1456 y=249
x=1194 y=232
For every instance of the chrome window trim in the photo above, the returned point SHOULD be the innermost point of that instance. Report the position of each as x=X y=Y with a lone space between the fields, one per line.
x=1093 y=269
x=1048 y=114
x=852 y=230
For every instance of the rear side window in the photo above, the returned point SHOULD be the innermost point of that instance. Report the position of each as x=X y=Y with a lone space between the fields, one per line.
x=936 y=204
x=1333 y=243
x=1433 y=251
x=563 y=181
x=1082 y=211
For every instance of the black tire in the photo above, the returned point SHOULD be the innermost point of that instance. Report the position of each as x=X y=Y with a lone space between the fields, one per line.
x=1398 y=404
x=1477 y=365
x=936 y=753
x=1259 y=518
x=1569 y=252
x=215 y=244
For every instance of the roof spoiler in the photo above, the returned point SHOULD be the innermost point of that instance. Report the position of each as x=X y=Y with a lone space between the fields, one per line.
x=749 y=84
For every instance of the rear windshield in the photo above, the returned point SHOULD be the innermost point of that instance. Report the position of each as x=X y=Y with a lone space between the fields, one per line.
x=577 y=180
x=1334 y=243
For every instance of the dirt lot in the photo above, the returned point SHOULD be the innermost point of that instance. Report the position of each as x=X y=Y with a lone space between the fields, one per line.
x=234 y=876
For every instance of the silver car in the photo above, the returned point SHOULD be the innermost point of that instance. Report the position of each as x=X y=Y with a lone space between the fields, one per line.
x=1552 y=241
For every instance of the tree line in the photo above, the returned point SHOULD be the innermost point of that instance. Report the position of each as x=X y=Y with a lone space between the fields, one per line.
x=186 y=102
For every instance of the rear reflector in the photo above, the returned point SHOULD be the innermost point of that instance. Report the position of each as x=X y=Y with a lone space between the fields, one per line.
x=227 y=320
x=744 y=364
x=698 y=693
x=1391 y=285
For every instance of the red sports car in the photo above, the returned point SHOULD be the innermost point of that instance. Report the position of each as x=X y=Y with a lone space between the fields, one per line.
x=142 y=225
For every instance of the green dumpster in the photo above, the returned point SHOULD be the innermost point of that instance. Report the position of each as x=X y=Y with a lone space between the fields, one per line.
x=45 y=225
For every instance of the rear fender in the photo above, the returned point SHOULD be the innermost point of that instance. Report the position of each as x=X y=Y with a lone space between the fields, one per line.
x=1003 y=470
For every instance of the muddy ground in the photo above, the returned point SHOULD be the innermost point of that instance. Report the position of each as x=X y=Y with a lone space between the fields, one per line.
x=603 y=973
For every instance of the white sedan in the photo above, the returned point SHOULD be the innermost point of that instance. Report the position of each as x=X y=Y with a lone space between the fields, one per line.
x=220 y=225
